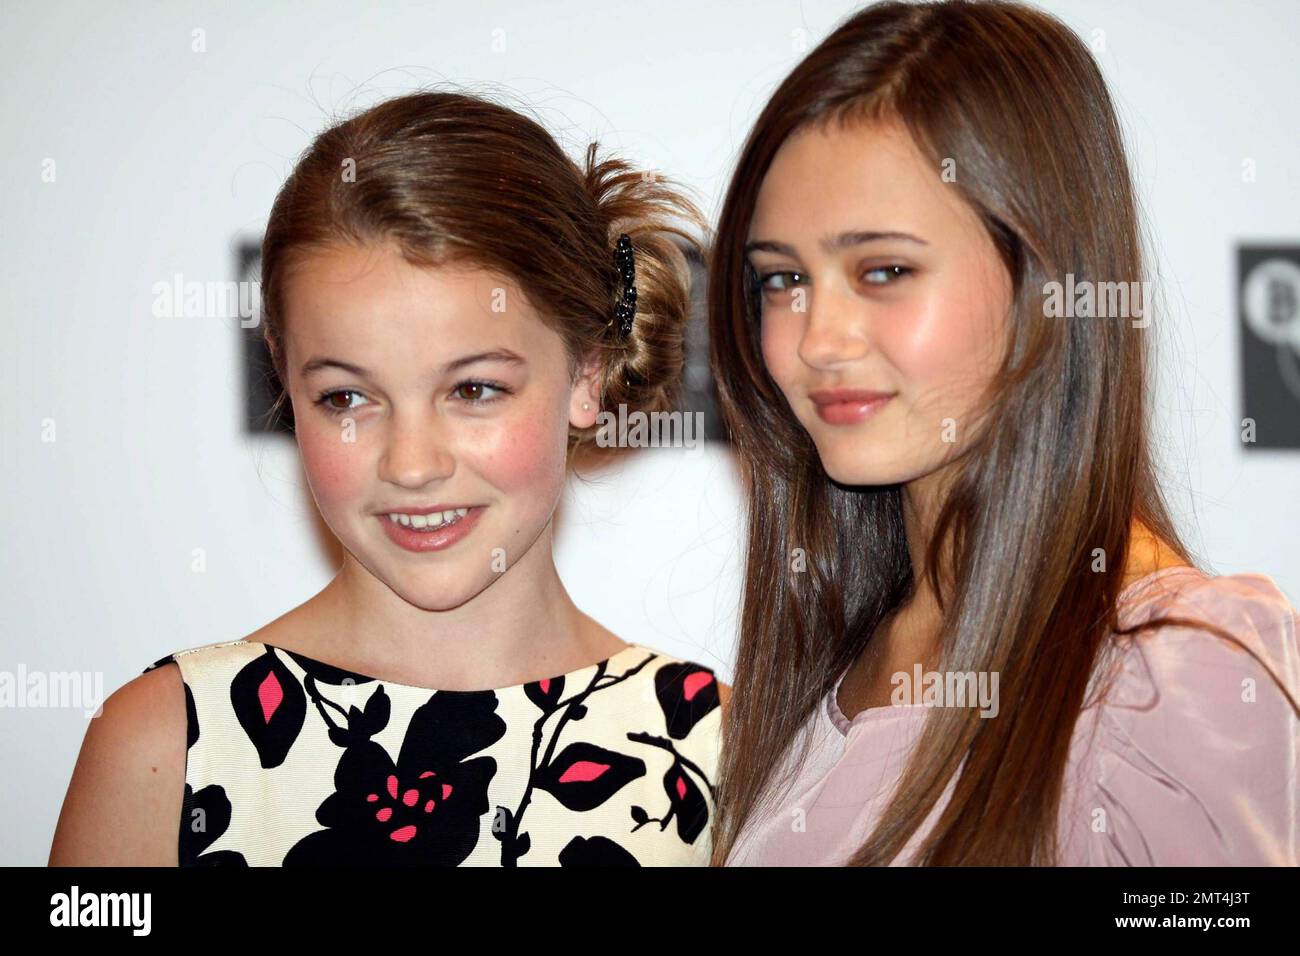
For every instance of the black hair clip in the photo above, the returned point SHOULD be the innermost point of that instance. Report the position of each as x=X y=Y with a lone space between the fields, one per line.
x=625 y=310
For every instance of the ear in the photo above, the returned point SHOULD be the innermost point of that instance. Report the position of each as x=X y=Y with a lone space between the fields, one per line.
x=270 y=345
x=584 y=398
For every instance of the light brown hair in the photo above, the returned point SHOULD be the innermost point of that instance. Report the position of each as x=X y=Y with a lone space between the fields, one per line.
x=456 y=178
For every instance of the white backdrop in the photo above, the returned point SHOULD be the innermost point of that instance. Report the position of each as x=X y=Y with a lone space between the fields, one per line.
x=165 y=156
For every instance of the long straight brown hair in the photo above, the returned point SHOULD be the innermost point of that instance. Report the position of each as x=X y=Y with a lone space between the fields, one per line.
x=1014 y=99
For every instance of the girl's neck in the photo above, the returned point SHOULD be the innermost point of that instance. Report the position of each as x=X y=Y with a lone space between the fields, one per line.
x=522 y=626
x=918 y=620
x=915 y=628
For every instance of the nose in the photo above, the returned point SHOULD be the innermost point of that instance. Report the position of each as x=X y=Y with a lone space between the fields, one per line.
x=836 y=329
x=416 y=451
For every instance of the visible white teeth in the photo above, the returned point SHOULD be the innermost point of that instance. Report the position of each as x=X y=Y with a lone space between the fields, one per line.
x=428 y=522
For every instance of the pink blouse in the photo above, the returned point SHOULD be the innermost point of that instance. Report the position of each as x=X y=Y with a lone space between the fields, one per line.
x=1190 y=760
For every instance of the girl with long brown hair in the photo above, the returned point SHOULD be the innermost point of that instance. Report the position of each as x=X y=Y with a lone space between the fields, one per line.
x=970 y=632
x=450 y=301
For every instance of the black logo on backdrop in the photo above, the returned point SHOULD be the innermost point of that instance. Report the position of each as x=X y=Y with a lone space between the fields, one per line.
x=1268 y=302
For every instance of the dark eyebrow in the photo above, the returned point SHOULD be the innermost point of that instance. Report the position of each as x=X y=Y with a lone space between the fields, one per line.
x=494 y=355
x=845 y=240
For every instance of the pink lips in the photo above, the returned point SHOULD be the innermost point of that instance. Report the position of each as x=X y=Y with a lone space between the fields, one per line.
x=848 y=406
x=420 y=541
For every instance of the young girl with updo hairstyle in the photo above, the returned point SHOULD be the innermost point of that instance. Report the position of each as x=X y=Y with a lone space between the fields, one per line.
x=449 y=301
x=970 y=631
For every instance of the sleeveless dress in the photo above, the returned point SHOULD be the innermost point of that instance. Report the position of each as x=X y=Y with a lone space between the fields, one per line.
x=292 y=761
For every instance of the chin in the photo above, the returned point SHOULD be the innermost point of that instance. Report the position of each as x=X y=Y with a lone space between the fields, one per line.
x=439 y=595
x=856 y=469
x=440 y=584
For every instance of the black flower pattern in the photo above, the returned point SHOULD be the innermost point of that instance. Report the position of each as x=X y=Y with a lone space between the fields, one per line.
x=427 y=806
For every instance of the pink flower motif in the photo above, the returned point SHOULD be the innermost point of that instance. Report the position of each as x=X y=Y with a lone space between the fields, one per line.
x=269 y=694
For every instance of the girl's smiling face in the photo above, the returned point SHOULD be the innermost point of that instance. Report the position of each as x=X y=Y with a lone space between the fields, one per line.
x=879 y=282
x=415 y=387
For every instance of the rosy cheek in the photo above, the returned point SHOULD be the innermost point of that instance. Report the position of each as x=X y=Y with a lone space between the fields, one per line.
x=779 y=341
x=943 y=350
x=522 y=453
x=335 y=469
x=928 y=339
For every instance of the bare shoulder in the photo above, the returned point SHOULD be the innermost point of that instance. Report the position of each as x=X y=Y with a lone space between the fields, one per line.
x=1147 y=554
x=123 y=803
x=598 y=639
x=299 y=629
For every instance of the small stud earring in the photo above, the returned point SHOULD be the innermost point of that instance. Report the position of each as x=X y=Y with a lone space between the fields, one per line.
x=585 y=406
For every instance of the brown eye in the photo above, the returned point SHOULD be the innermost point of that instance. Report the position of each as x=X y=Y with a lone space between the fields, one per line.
x=339 y=400
x=476 y=392
x=470 y=391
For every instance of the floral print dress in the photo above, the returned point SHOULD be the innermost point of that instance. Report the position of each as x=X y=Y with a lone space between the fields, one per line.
x=292 y=761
